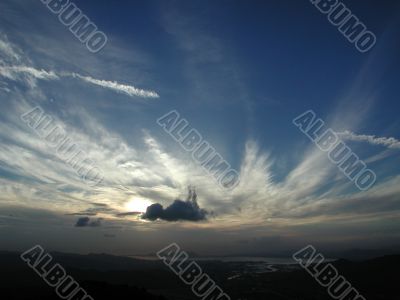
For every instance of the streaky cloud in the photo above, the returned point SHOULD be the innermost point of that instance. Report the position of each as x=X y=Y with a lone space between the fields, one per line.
x=8 y=49
x=390 y=142
x=118 y=87
x=16 y=73
x=13 y=72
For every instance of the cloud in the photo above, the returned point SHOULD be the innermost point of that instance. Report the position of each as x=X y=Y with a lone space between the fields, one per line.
x=12 y=72
x=391 y=142
x=16 y=66
x=4 y=87
x=179 y=210
x=28 y=74
x=154 y=172
x=93 y=211
x=82 y=222
x=127 y=214
x=85 y=222
x=118 y=87
x=84 y=213
x=8 y=49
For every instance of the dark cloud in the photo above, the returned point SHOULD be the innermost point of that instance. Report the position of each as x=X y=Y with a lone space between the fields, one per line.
x=99 y=204
x=127 y=214
x=85 y=222
x=93 y=211
x=179 y=210
x=82 y=222
x=83 y=213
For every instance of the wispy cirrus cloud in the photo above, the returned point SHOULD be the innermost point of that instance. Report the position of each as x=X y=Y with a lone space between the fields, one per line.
x=16 y=67
x=15 y=73
x=153 y=172
x=390 y=142
x=7 y=49
x=118 y=87
x=27 y=73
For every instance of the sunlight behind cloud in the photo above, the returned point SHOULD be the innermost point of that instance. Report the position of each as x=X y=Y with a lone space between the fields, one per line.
x=137 y=204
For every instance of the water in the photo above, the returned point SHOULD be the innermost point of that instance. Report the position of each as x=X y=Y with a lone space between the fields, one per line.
x=250 y=259
x=242 y=259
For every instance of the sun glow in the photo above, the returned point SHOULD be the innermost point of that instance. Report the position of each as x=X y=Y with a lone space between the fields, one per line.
x=138 y=205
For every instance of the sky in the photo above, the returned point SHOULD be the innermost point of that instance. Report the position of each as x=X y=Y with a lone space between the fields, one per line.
x=239 y=72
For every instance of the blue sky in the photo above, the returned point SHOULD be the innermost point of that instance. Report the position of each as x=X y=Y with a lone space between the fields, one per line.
x=239 y=72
